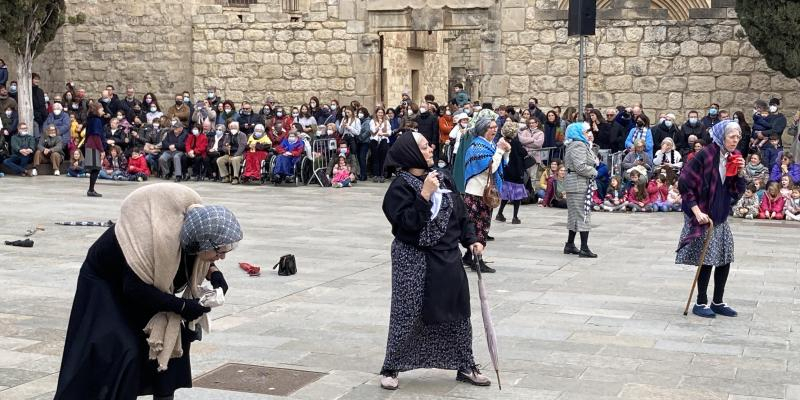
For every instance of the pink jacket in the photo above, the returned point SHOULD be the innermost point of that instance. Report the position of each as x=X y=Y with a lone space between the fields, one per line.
x=770 y=205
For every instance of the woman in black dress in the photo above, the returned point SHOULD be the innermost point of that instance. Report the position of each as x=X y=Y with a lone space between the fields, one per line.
x=429 y=324
x=129 y=334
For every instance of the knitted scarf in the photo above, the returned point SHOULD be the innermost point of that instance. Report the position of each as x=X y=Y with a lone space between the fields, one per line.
x=478 y=158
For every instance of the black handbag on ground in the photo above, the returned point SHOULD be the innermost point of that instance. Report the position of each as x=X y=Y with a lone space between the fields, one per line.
x=286 y=265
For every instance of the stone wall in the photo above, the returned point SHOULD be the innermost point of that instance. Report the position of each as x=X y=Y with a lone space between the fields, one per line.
x=638 y=56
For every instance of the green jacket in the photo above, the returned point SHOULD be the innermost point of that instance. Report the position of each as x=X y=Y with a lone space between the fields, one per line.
x=53 y=143
x=19 y=142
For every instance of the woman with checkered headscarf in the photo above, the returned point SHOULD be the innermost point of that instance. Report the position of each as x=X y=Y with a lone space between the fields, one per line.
x=129 y=333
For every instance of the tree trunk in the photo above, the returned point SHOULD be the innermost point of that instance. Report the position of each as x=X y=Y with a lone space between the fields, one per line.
x=25 y=90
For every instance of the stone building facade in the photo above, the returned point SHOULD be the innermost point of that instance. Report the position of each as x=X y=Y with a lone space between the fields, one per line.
x=504 y=51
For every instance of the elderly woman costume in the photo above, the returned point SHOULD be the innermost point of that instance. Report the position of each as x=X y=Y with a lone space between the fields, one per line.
x=710 y=184
x=580 y=162
x=429 y=323
x=129 y=334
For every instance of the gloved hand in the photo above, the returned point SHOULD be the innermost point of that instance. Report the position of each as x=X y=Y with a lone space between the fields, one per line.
x=218 y=281
x=192 y=309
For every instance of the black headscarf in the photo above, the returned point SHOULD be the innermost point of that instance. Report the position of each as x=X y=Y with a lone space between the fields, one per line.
x=405 y=154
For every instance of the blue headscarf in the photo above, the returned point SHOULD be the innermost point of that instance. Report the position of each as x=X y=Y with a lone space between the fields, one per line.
x=575 y=132
x=718 y=132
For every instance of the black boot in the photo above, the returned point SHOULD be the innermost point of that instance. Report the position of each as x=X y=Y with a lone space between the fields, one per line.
x=485 y=268
x=569 y=247
x=585 y=252
x=468 y=260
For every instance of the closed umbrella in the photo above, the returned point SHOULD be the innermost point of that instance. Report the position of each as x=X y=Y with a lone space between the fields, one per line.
x=488 y=325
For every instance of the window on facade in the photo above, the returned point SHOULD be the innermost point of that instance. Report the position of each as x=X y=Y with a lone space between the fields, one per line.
x=237 y=3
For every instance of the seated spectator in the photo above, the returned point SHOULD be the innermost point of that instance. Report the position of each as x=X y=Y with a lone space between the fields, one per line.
x=9 y=119
x=233 y=147
x=197 y=151
x=75 y=169
x=698 y=145
x=787 y=166
x=638 y=157
x=50 y=149
x=791 y=207
x=760 y=188
x=755 y=169
x=248 y=119
x=674 y=197
x=61 y=121
x=253 y=159
x=770 y=151
x=179 y=111
x=116 y=135
x=276 y=132
x=173 y=149
x=556 y=193
x=638 y=199
x=154 y=134
x=259 y=139
x=216 y=144
x=288 y=154
x=350 y=159
x=115 y=165
x=786 y=186
x=615 y=196
x=747 y=206
x=772 y=203
x=23 y=145
x=658 y=190
x=342 y=174
x=667 y=155
x=544 y=179
x=137 y=166
x=227 y=114
x=153 y=111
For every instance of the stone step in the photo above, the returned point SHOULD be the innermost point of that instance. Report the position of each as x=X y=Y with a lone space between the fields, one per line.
x=723 y=3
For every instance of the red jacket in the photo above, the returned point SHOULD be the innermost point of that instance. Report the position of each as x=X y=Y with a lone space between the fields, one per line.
x=656 y=193
x=138 y=166
x=197 y=143
x=770 y=205
x=631 y=197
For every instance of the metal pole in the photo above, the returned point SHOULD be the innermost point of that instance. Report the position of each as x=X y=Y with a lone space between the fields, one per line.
x=581 y=76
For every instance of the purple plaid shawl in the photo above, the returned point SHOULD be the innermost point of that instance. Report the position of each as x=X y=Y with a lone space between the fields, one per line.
x=698 y=185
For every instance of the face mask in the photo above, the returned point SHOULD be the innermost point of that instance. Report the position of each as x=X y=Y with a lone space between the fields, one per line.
x=447 y=112
x=333 y=106
x=773 y=109
x=46 y=99
x=234 y=131
x=23 y=133
x=410 y=113
x=57 y=112
x=210 y=95
x=478 y=108
x=464 y=125
x=148 y=100
x=105 y=100
x=279 y=114
x=195 y=132
x=156 y=126
x=153 y=109
x=173 y=123
x=360 y=115
x=245 y=112
x=712 y=111
x=227 y=110
x=186 y=99
x=295 y=115
x=668 y=123
x=423 y=110
x=220 y=132
x=343 y=152
x=8 y=113
x=67 y=98
x=258 y=134
x=640 y=123
x=330 y=131
x=736 y=120
x=292 y=140
x=178 y=102
x=692 y=121
x=13 y=89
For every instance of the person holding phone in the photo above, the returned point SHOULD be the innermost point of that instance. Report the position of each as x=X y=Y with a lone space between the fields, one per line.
x=429 y=323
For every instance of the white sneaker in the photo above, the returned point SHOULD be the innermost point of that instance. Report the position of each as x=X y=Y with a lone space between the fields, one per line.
x=34 y=172
x=389 y=382
x=748 y=216
x=56 y=172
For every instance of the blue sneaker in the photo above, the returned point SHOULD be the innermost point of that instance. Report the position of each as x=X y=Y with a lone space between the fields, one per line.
x=702 y=310
x=723 y=309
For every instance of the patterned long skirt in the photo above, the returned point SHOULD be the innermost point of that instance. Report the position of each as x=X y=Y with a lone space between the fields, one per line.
x=720 y=247
x=412 y=344
x=578 y=219
x=480 y=214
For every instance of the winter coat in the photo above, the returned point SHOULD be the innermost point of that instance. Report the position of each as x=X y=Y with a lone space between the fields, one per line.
x=181 y=112
x=171 y=139
x=793 y=172
x=198 y=143
x=687 y=130
x=532 y=141
x=428 y=126
x=514 y=171
x=138 y=166
x=657 y=193
x=770 y=205
x=19 y=142
x=661 y=132
x=580 y=163
x=53 y=143
x=10 y=123
x=643 y=133
x=62 y=124
x=39 y=105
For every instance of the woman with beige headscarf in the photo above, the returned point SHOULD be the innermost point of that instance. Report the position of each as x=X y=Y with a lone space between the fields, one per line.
x=129 y=333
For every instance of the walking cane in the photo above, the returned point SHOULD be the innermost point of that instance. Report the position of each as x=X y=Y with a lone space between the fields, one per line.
x=709 y=231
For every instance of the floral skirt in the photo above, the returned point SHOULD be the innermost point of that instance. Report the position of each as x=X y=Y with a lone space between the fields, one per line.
x=720 y=249
x=479 y=214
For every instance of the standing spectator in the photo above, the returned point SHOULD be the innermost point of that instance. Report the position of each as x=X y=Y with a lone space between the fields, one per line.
x=461 y=97
x=533 y=107
x=6 y=100
x=777 y=121
x=233 y=147
x=9 y=119
x=380 y=130
x=551 y=129
x=747 y=133
x=3 y=72
x=712 y=118
x=22 y=149
x=532 y=139
x=130 y=101
x=307 y=121
x=61 y=121
x=212 y=97
x=51 y=149
x=665 y=129
x=180 y=111
x=428 y=126
x=446 y=125
x=173 y=148
x=363 y=142
x=641 y=131
x=228 y=113
x=39 y=104
x=611 y=135
x=693 y=126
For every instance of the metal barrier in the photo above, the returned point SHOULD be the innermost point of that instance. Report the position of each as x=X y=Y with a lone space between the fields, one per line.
x=322 y=151
x=615 y=166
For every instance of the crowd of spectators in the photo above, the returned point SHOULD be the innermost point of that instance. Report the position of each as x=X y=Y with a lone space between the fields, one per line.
x=216 y=139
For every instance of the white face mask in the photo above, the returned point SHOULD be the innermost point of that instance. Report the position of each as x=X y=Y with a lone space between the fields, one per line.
x=153 y=109
x=195 y=132
x=23 y=133
x=279 y=113
x=57 y=112
x=360 y=115
x=234 y=131
x=156 y=126
x=8 y=113
x=692 y=121
x=330 y=131
x=258 y=134
x=227 y=110
x=46 y=99
x=668 y=123
x=464 y=125
x=423 y=110
x=220 y=132
x=773 y=109
x=292 y=140
x=295 y=115
x=333 y=106
x=447 y=112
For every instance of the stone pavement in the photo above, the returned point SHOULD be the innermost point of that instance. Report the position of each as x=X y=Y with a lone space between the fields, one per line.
x=568 y=328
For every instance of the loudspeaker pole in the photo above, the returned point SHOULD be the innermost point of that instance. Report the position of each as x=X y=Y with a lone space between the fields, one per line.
x=581 y=75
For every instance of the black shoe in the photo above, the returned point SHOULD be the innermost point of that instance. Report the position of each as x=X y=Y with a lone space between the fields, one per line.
x=93 y=194
x=586 y=253
x=489 y=238
x=468 y=261
x=177 y=178
x=569 y=248
x=485 y=268
x=516 y=221
x=500 y=218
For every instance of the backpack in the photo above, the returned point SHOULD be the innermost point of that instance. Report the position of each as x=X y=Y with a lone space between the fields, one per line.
x=286 y=265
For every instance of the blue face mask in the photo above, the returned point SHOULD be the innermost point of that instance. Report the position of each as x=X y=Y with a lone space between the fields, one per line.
x=712 y=111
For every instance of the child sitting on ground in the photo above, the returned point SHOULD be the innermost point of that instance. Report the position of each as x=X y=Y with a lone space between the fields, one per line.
x=658 y=191
x=759 y=188
x=115 y=166
x=342 y=175
x=638 y=198
x=772 y=203
x=747 y=206
x=615 y=195
x=137 y=166
x=786 y=187
x=674 y=197
x=791 y=207
x=75 y=169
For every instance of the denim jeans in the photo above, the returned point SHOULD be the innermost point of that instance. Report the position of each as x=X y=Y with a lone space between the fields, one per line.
x=18 y=162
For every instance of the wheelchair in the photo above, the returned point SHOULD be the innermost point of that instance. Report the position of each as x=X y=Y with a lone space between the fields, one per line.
x=302 y=171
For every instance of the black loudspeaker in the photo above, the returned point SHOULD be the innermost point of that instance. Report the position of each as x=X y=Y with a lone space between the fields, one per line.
x=582 y=17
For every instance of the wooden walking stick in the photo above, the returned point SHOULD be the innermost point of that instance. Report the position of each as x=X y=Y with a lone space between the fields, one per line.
x=709 y=232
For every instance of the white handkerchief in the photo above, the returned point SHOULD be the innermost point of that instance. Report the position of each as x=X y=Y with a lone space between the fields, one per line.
x=436 y=199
